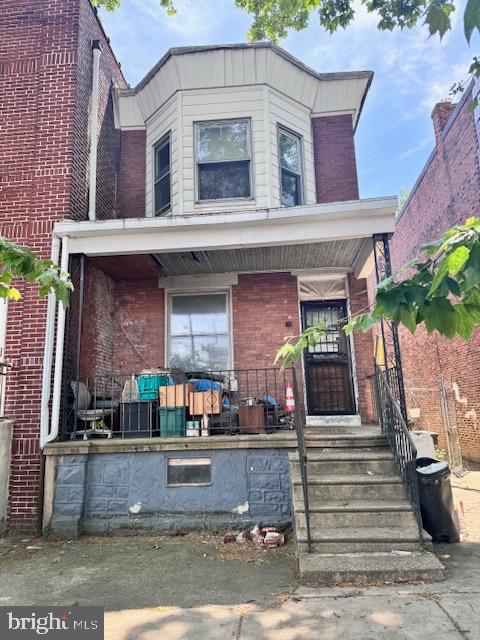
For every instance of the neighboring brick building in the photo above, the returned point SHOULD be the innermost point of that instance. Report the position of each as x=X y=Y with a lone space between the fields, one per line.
x=226 y=215
x=446 y=193
x=45 y=85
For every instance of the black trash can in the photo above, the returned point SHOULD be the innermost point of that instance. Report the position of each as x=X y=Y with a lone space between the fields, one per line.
x=436 y=502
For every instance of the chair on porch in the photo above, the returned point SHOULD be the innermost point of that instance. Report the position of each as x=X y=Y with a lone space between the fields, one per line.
x=93 y=418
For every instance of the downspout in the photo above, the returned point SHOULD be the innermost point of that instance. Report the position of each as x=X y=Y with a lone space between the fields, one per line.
x=48 y=351
x=57 y=378
x=92 y=192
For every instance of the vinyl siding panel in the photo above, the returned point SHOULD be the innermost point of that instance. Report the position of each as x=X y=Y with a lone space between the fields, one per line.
x=164 y=120
x=225 y=104
x=292 y=115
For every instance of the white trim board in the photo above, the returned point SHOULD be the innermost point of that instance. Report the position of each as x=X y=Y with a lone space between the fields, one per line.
x=274 y=227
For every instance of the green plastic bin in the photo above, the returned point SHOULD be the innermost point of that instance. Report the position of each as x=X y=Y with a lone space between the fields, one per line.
x=172 y=422
x=148 y=385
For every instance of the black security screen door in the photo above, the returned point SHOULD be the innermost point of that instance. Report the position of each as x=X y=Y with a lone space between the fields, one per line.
x=328 y=373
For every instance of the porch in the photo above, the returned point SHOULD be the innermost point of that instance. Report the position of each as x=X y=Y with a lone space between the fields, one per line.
x=169 y=407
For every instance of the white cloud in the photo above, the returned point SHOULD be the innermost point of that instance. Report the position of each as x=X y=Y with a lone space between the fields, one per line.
x=423 y=144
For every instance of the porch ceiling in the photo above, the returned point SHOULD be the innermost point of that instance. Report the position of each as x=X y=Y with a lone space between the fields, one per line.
x=339 y=255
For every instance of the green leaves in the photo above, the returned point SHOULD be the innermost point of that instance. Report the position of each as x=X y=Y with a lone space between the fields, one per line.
x=291 y=351
x=110 y=5
x=437 y=17
x=20 y=262
x=471 y=18
x=451 y=264
x=441 y=291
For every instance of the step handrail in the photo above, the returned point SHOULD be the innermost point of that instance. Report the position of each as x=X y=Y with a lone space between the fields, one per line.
x=393 y=425
x=302 y=456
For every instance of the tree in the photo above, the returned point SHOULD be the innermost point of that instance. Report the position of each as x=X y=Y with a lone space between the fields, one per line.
x=273 y=18
x=21 y=262
x=440 y=290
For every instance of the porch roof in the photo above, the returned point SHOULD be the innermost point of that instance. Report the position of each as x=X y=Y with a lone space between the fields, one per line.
x=334 y=235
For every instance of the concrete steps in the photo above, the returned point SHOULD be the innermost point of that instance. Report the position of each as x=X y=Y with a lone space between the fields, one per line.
x=362 y=526
x=357 y=539
x=361 y=569
x=390 y=517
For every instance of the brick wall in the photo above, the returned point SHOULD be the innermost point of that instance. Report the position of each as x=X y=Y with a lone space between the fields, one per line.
x=42 y=174
x=448 y=191
x=363 y=349
x=131 y=181
x=334 y=156
x=262 y=304
x=98 y=327
x=139 y=326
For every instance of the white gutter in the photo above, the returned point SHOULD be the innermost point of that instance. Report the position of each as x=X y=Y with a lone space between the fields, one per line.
x=45 y=435
x=48 y=351
x=92 y=193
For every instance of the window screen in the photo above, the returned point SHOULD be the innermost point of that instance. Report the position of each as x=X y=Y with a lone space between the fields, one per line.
x=223 y=160
x=181 y=471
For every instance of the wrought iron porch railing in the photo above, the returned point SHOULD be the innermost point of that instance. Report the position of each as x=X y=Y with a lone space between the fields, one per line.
x=302 y=457
x=174 y=403
x=396 y=431
x=177 y=404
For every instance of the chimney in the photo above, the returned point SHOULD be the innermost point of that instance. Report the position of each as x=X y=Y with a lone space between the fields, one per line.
x=440 y=115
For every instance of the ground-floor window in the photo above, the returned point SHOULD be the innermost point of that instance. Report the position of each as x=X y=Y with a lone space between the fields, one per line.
x=199 y=331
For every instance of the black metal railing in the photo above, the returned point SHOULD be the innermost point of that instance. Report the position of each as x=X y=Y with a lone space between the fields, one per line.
x=302 y=457
x=174 y=403
x=395 y=428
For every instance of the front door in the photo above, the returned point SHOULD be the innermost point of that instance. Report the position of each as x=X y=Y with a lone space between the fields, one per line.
x=328 y=372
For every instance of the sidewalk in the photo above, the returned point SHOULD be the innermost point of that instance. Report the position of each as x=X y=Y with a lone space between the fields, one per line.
x=466 y=492
x=443 y=611
x=192 y=588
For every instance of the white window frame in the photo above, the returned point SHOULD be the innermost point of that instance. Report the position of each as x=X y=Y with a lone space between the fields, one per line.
x=192 y=292
x=299 y=138
x=166 y=138
x=196 y=127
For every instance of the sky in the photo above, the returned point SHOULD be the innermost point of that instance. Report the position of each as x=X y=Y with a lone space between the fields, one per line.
x=412 y=72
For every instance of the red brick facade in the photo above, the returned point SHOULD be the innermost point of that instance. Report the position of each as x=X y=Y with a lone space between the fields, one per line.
x=124 y=326
x=363 y=349
x=335 y=162
x=447 y=192
x=44 y=95
x=131 y=181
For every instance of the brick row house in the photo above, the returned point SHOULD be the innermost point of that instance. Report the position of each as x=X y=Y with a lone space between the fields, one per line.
x=442 y=390
x=203 y=215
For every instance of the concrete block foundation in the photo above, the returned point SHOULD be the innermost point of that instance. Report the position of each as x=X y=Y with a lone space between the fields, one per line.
x=103 y=492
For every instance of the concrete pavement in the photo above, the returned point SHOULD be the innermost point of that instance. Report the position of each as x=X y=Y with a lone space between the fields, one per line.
x=442 y=611
x=195 y=589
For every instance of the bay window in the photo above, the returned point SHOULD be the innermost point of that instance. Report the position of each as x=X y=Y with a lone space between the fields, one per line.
x=199 y=331
x=290 y=157
x=223 y=157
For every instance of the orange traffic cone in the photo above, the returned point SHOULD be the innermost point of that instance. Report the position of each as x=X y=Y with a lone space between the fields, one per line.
x=289 y=399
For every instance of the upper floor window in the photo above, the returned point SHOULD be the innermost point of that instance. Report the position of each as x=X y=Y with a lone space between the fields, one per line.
x=290 y=154
x=223 y=154
x=162 y=175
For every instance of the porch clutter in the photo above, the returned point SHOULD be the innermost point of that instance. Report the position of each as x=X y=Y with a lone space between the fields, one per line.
x=174 y=404
x=91 y=417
